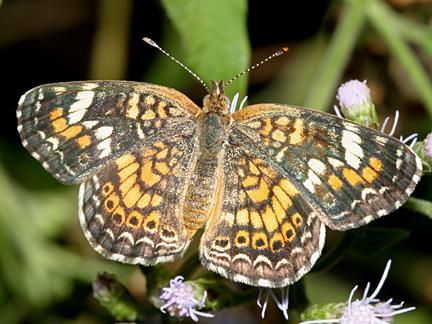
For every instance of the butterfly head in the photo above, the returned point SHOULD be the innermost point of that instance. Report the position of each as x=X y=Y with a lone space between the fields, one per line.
x=216 y=101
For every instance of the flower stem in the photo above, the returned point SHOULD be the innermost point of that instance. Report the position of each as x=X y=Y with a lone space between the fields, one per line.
x=376 y=12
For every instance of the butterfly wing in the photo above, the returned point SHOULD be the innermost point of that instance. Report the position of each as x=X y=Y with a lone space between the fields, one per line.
x=350 y=174
x=132 y=209
x=75 y=128
x=288 y=171
x=265 y=232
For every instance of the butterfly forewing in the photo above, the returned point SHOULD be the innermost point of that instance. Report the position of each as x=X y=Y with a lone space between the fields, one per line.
x=350 y=174
x=75 y=128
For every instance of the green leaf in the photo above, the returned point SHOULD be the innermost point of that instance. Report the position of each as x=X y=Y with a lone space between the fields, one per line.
x=215 y=38
x=420 y=150
x=371 y=240
x=419 y=205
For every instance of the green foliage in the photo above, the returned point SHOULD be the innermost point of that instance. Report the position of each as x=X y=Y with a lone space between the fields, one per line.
x=215 y=38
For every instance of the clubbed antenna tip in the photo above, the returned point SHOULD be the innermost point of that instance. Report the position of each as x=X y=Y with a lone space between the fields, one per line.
x=279 y=52
x=150 y=42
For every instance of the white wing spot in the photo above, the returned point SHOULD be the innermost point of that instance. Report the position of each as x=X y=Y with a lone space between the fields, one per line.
x=83 y=100
x=110 y=233
x=89 y=86
x=105 y=147
x=54 y=141
x=20 y=102
x=335 y=163
x=382 y=212
x=317 y=166
x=127 y=236
x=242 y=256
x=398 y=163
x=263 y=259
x=351 y=127
x=311 y=181
x=368 y=219
x=381 y=140
x=90 y=123
x=353 y=151
x=103 y=132
x=367 y=191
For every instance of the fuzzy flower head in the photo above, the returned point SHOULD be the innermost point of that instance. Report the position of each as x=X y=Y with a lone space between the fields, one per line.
x=428 y=145
x=181 y=301
x=356 y=103
x=367 y=310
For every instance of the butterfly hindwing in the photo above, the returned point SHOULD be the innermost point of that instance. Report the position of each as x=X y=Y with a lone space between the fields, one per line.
x=74 y=128
x=266 y=234
x=127 y=208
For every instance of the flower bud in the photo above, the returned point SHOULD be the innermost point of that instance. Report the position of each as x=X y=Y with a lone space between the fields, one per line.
x=356 y=103
x=117 y=300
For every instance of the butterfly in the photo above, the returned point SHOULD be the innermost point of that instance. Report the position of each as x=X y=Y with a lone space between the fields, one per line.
x=262 y=182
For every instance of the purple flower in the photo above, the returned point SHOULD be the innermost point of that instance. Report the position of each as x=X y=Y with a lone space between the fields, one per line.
x=356 y=103
x=180 y=300
x=369 y=309
x=353 y=94
x=282 y=305
x=428 y=145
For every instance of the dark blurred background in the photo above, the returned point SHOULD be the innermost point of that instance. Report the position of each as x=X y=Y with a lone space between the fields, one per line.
x=46 y=266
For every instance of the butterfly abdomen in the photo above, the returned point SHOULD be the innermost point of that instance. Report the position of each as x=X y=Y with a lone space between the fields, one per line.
x=202 y=189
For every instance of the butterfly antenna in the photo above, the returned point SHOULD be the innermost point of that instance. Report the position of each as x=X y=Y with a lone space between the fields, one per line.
x=279 y=52
x=152 y=43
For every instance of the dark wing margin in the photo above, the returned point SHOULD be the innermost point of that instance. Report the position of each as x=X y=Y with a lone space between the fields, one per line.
x=74 y=128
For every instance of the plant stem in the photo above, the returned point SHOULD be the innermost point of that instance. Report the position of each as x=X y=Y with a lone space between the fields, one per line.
x=376 y=13
x=408 y=29
x=336 y=56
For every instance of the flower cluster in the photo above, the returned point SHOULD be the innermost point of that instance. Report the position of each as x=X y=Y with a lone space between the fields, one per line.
x=180 y=300
x=428 y=145
x=356 y=103
x=368 y=309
